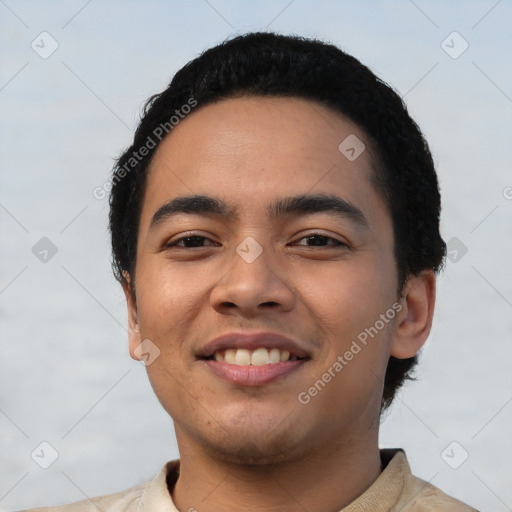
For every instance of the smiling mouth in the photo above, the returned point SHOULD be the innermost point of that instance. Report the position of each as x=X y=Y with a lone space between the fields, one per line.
x=257 y=367
x=258 y=357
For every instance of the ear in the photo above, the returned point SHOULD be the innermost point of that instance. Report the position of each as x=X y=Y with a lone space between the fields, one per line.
x=134 y=337
x=414 y=320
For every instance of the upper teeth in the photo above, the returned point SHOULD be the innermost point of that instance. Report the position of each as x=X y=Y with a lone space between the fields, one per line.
x=257 y=357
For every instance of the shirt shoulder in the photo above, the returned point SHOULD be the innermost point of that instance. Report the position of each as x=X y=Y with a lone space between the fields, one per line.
x=125 y=501
x=398 y=490
x=421 y=496
x=149 y=496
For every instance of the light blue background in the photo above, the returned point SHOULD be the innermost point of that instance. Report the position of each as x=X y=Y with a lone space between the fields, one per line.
x=65 y=373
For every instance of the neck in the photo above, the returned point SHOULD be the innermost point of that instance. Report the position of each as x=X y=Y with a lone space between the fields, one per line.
x=325 y=481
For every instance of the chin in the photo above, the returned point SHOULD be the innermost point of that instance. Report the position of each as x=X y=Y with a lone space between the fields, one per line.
x=249 y=453
x=250 y=444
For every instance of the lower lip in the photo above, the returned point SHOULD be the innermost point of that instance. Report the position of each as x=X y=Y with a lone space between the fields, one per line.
x=253 y=375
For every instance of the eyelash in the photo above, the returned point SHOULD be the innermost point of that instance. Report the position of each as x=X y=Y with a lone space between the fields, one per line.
x=328 y=238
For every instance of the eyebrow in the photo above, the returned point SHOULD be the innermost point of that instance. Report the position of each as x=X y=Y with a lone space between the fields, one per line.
x=303 y=204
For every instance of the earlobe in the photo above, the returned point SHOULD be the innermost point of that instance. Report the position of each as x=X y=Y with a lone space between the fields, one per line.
x=414 y=321
x=134 y=337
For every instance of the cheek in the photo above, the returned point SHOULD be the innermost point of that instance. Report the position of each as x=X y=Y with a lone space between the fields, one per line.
x=347 y=293
x=168 y=300
x=346 y=302
x=174 y=387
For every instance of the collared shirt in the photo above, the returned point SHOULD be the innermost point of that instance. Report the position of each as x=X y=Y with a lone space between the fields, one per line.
x=395 y=490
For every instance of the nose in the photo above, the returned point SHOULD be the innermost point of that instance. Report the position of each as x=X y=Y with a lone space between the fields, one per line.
x=250 y=289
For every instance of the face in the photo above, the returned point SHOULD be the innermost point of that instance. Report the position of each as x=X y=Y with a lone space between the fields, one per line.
x=289 y=249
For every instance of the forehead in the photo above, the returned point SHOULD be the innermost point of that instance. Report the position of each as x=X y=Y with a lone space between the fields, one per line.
x=252 y=150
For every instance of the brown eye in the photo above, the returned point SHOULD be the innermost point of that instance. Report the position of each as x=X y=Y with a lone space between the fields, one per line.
x=317 y=240
x=190 y=242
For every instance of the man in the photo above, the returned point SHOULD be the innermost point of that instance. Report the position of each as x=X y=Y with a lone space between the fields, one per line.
x=275 y=229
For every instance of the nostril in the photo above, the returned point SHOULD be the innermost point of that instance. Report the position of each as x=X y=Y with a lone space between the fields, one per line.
x=228 y=305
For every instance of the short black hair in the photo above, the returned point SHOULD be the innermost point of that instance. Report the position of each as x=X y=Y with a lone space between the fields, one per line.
x=269 y=64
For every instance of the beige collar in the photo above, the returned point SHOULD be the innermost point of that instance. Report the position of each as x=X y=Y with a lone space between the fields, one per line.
x=380 y=496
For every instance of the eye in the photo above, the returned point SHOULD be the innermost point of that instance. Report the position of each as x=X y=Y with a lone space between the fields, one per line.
x=190 y=242
x=198 y=241
x=320 y=240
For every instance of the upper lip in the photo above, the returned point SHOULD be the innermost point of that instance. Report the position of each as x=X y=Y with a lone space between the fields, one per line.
x=251 y=341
